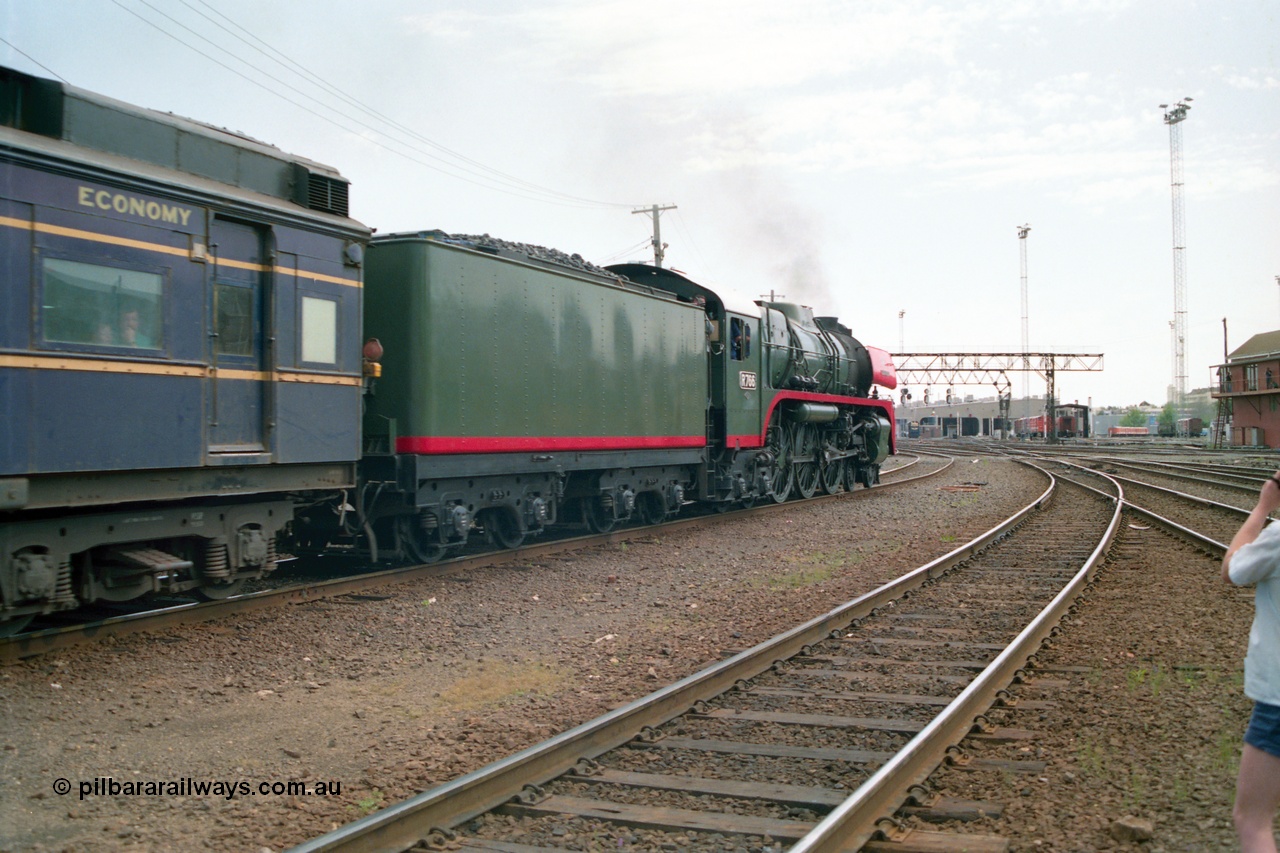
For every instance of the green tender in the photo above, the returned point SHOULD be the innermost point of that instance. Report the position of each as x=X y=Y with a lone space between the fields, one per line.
x=486 y=346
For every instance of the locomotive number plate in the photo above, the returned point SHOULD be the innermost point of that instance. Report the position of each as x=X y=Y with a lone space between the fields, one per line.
x=746 y=380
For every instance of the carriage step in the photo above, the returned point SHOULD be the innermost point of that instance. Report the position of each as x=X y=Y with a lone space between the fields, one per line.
x=151 y=559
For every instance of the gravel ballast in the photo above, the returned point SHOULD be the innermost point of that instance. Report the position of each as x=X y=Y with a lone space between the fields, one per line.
x=390 y=693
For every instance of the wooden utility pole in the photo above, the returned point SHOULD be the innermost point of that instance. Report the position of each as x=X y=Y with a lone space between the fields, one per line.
x=659 y=247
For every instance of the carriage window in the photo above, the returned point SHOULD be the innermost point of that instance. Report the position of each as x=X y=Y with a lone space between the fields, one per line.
x=319 y=330
x=233 y=319
x=101 y=306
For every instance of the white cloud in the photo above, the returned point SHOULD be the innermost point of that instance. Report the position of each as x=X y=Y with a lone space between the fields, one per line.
x=450 y=24
x=676 y=49
x=1260 y=80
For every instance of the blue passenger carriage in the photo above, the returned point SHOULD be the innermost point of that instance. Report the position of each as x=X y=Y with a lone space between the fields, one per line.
x=180 y=361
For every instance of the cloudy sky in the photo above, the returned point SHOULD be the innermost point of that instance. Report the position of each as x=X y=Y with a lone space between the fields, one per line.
x=863 y=157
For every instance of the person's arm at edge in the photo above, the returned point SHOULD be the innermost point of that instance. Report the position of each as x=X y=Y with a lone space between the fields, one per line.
x=1268 y=501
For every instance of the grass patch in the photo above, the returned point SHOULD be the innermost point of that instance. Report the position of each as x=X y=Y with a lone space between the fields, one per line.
x=1227 y=751
x=1091 y=758
x=499 y=681
x=814 y=568
x=1139 y=676
x=795 y=580
x=809 y=569
x=1136 y=796
x=370 y=803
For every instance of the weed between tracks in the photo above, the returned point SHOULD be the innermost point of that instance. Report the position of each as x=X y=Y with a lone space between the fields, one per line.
x=369 y=804
x=1100 y=757
x=817 y=567
x=499 y=681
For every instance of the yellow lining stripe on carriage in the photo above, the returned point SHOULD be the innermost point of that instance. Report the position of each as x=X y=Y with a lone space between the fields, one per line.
x=101 y=365
x=160 y=368
x=94 y=236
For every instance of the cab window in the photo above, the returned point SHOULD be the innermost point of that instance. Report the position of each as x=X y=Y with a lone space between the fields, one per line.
x=97 y=305
x=739 y=340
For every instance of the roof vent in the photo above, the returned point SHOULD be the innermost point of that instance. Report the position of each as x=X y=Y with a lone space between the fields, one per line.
x=321 y=192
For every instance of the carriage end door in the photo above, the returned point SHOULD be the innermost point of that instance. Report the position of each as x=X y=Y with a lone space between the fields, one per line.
x=238 y=351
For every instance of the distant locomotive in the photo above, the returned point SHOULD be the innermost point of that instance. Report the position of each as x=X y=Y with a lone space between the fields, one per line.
x=1067 y=426
x=181 y=318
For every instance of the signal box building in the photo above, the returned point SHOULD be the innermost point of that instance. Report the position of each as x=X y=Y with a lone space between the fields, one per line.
x=1247 y=388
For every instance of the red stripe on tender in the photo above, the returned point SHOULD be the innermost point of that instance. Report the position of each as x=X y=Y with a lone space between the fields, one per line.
x=526 y=444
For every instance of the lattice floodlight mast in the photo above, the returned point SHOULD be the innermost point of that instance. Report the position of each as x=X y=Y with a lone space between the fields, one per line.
x=1174 y=116
x=1023 y=231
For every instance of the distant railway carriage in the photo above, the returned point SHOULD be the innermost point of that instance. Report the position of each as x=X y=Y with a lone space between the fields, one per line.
x=1190 y=427
x=1029 y=427
x=178 y=305
x=1120 y=431
x=1067 y=426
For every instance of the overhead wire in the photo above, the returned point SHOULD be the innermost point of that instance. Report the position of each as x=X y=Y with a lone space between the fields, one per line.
x=17 y=49
x=487 y=181
x=285 y=61
x=688 y=234
x=377 y=142
x=450 y=164
x=623 y=252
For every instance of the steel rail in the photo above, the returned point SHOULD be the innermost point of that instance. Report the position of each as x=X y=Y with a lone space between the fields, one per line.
x=400 y=826
x=1195 y=537
x=1208 y=502
x=853 y=823
x=47 y=640
x=1157 y=469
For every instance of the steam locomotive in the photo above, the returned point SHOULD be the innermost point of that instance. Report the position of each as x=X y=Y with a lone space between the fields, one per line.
x=205 y=362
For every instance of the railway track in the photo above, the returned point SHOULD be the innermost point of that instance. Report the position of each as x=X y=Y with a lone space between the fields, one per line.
x=765 y=747
x=46 y=638
x=1228 y=483
x=1204 y=522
